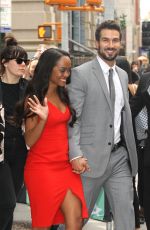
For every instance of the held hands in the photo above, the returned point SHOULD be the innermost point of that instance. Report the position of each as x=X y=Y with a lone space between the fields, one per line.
x=36 y=107
x=80 y=165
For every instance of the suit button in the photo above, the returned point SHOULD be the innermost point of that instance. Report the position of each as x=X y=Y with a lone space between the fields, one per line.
x=109 y=143
x=110 y=126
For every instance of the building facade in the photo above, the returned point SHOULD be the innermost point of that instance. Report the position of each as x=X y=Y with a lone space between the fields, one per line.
x=127 y=12
x=28 y=14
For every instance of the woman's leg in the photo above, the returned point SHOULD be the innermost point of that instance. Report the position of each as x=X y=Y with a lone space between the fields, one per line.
x=72 y=210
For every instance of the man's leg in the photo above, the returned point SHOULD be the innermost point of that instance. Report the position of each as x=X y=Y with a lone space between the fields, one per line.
x=7 y=198
x=5 y=214
x=147 y=196
x=119 y=190
x=91 y=187
x=140 y=151
x=136 y=205
x=140 y=187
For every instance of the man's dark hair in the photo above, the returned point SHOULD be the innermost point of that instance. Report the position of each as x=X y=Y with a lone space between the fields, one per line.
x=124 y=64
x=109 y=24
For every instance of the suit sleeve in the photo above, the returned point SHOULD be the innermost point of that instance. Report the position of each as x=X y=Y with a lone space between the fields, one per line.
x=77 y=93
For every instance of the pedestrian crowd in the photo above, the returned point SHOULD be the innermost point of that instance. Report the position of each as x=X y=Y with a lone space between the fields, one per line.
x=66 y=133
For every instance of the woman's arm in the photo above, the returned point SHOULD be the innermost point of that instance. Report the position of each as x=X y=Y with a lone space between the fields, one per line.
x=35 y=125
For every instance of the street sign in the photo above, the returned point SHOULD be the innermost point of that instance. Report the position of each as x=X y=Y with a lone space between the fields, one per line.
x=5 y=16
x=146 y=33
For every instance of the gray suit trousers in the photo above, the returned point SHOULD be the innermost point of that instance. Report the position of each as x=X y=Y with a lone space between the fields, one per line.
x=117 y=183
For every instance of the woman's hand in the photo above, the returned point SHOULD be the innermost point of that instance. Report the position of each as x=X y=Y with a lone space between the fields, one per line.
x=36 y=107
x=80 y=165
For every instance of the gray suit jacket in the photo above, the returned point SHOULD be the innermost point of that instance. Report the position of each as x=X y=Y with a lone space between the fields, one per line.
x=93 y=131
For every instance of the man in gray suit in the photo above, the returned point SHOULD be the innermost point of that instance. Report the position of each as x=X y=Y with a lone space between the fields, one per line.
x=101 y=143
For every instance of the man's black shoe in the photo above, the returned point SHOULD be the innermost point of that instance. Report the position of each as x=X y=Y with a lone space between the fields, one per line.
x=142 y=220
x=54 y=227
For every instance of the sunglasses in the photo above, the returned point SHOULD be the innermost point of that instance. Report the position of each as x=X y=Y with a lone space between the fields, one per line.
x=20 y=60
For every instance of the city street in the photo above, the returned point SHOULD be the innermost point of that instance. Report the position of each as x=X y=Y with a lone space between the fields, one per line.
x=22 y=220
x=86 y=62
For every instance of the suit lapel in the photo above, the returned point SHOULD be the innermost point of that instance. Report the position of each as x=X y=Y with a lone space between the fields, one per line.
x=123 y=85
x=98 y=73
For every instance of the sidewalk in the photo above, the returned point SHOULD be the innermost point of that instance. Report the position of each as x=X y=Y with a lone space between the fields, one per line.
x=22 y=220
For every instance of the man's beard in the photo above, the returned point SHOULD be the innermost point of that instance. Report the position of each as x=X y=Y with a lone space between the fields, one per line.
x=108 y=58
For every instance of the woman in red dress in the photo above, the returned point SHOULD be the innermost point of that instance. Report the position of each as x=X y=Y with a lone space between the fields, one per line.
x=55 y=191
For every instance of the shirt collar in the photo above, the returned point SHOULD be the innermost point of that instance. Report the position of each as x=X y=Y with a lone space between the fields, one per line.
x=105 y=67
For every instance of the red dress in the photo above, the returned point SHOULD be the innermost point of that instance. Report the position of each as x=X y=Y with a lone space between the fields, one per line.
x=48 y=174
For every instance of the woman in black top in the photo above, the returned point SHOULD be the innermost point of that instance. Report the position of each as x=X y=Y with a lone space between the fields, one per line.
x=13 y=60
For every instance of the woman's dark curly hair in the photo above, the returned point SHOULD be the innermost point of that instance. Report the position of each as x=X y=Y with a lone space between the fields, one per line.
x=10 y=51
x=39 y=84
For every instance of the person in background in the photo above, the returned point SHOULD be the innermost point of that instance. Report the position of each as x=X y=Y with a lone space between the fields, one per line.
x=41 y=48
x=7 y=194
x=32 y=66
x=46 y=110
x=140 y=128
x=13 y=61
x=140 y=125
x=123 y=63
x=102 y=135
x=30 y=69
x=136 y=71
x=140 y=101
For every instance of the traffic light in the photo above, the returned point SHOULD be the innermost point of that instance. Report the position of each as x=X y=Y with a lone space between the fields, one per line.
x=146 y=33
x=61 y=2
x=44 y=31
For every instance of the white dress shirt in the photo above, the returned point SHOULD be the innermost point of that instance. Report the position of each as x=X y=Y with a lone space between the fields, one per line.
x=119 y=100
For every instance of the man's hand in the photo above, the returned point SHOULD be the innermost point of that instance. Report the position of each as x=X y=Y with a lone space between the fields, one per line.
x=80 y=165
